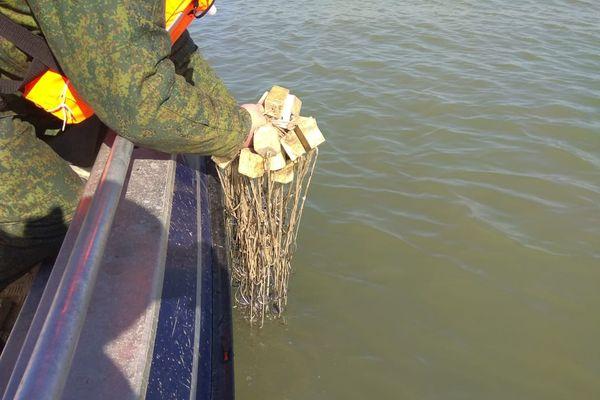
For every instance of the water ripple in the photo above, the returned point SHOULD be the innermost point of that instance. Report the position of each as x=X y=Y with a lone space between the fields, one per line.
x=458 y=192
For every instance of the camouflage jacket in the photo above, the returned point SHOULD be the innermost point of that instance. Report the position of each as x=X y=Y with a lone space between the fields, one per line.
x=119 y=58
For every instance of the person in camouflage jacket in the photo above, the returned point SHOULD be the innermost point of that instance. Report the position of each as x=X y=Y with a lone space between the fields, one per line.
x=119 y=57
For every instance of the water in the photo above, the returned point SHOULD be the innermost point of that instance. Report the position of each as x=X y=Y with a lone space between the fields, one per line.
x=451 y=248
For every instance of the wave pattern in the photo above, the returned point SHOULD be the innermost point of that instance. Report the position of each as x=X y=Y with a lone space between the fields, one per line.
x=452 y=245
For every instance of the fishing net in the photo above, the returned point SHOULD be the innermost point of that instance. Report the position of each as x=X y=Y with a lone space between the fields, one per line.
x=265 y=191
x=262 y=221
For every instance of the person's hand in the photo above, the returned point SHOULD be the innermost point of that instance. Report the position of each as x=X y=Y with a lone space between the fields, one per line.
x=258 y=119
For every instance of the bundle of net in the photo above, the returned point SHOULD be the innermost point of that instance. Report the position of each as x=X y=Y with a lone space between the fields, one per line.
x=264 y=192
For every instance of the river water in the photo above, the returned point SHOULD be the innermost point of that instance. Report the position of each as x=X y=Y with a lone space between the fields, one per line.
x=451 y=246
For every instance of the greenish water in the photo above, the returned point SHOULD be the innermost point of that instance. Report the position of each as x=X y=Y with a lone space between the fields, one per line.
x=451 y=248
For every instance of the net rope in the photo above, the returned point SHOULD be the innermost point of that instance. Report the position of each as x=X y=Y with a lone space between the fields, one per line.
x=262 y=219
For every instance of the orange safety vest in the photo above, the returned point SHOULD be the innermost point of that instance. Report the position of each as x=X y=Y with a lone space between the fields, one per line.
x=53 y=91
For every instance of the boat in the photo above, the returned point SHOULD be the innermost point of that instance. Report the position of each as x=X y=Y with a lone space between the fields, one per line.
x=137 y=303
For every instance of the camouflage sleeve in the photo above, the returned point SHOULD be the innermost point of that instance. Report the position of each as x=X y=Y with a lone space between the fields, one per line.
x=117 y=54
x=193 y=67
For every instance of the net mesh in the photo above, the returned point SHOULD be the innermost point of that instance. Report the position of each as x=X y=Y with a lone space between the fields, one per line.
x=262 y=220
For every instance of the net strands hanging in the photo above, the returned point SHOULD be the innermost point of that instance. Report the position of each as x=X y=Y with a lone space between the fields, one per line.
x=262 y=221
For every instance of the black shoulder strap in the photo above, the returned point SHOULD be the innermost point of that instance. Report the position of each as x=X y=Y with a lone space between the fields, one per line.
x=33 y=45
